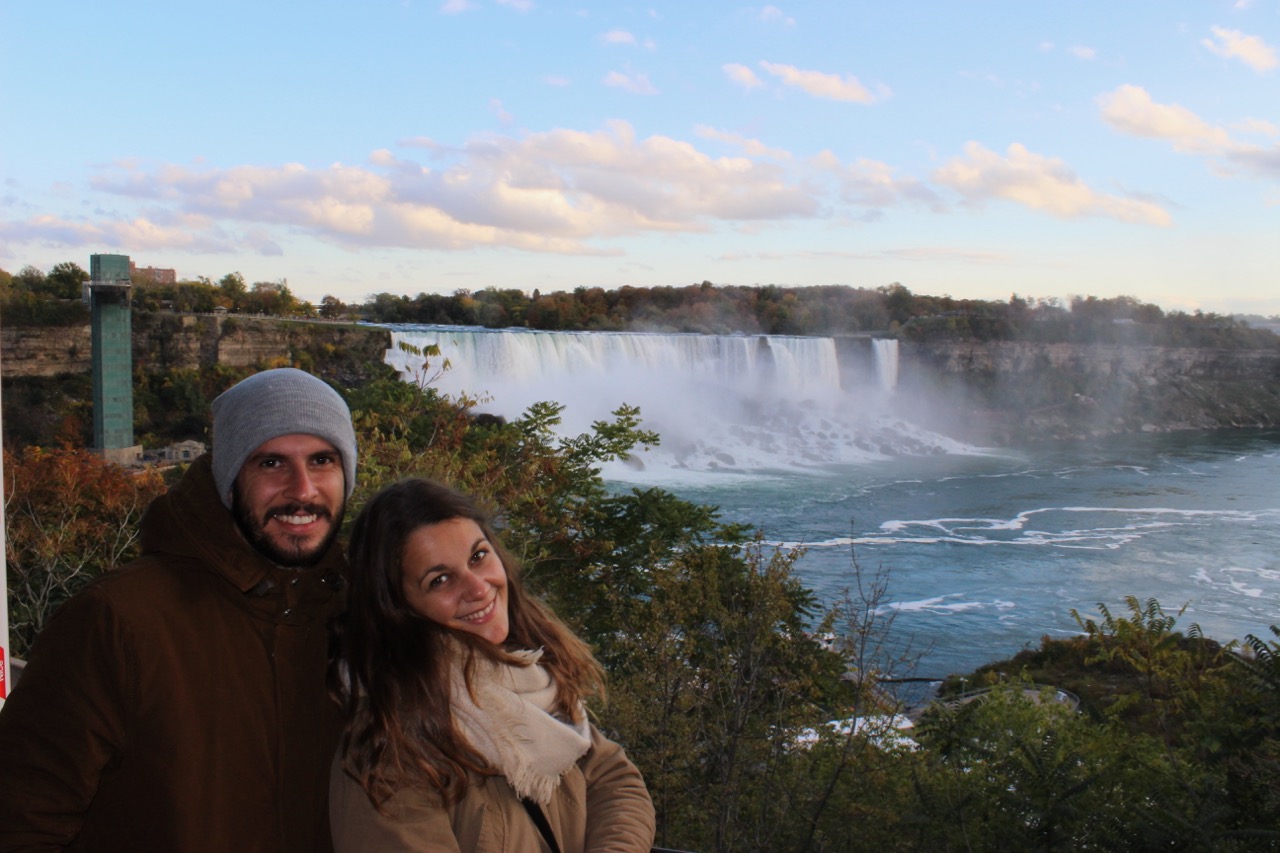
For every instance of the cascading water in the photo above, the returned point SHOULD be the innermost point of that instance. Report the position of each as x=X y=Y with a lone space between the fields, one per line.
x=886 y=354
x=720 y=402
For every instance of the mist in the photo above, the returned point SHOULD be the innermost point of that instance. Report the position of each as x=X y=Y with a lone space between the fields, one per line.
x=721 y=403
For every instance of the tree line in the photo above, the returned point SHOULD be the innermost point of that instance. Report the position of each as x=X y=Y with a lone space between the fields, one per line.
x=734 y=687
x=32 y=296
x=822 y=310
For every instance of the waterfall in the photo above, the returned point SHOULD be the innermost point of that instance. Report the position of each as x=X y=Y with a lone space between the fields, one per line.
x=886 y=353
x=719 y=402
x=484 y=359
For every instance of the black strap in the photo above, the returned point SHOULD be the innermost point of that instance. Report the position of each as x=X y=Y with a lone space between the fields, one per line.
x=540 y=821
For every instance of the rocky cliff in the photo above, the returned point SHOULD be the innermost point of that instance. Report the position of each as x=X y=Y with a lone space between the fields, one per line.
x=185 y=361
x=29 y=352
x=1017 y=392
x=341 y=352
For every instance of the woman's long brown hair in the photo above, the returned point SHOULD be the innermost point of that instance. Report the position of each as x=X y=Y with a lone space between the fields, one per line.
x=391 y=667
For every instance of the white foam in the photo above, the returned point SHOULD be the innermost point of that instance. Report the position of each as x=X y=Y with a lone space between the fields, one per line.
x=936 y=604
x=982 y=532
x=1244 y=583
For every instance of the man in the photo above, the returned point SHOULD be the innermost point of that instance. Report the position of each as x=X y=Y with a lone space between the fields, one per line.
x=178 y=703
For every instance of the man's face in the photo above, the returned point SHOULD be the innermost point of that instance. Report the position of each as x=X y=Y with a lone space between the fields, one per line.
x=289 y=498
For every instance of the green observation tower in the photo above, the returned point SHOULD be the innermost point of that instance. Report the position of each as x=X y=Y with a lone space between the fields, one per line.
x=109 y=298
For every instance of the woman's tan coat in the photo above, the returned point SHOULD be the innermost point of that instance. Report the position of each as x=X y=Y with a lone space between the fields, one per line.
x=601 y=806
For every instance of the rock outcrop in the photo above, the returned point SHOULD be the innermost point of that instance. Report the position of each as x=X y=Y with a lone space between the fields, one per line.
x=342 y=352
x=28 y=352
x=1018 y=392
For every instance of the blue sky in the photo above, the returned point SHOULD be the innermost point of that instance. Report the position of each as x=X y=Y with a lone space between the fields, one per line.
x=976 y=149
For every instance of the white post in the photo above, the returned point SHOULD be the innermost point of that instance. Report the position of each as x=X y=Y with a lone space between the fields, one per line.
x=4 y=587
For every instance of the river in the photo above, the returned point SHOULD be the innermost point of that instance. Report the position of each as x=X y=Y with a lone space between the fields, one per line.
x=985 y=553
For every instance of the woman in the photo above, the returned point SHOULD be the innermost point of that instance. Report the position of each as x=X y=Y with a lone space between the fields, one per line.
x=463 y=697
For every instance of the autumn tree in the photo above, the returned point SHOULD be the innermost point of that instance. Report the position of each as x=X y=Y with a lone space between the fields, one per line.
x=233 y=289
x=69 y=516
x=331 y=307
x=273 y=298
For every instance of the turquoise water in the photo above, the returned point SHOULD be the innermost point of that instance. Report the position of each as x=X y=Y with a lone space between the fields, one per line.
x=986 y=553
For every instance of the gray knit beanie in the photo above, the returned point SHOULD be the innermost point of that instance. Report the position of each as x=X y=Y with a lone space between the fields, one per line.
x=268 y=405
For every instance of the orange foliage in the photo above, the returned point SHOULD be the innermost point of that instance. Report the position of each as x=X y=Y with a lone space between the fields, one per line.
x=69 y=516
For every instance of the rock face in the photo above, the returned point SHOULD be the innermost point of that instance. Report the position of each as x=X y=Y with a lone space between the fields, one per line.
x=336 y=350
x=1017 y=392
x=1014 y=358
x=47 y=352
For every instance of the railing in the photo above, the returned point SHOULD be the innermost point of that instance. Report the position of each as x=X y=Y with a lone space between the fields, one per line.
x=1037 y=693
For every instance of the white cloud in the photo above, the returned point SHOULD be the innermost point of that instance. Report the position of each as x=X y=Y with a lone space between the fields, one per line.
x=1250 y=50
x=518 y=5
x=1131 y=110
x=1082 y=52
x=666 y=181
x=1040 y=183
x=1259 y=126
x=499 y=111
x=822 y=85
x=772 y=14
x=637 y=84
x=456 y=7
x=617 y=37
x=872 y=184
x=560 y=191
x=751 y=147
x=137 y=233
x=1262 y=161
x=259 y=240
x=425 y=142
x=742 y=75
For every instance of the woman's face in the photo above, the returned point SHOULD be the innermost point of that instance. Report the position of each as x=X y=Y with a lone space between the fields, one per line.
x=453 y=576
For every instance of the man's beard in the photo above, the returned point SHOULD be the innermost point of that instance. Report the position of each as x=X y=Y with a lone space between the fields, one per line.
x=293 y=552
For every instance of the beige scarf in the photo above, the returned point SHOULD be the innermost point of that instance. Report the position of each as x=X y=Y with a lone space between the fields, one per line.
x=510 y=724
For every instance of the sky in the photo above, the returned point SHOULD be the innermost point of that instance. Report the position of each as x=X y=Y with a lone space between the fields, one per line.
x=963 y=148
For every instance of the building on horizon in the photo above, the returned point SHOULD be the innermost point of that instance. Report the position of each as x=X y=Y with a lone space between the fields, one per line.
x=155 y=275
